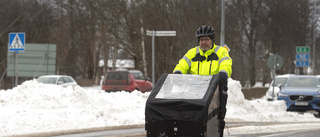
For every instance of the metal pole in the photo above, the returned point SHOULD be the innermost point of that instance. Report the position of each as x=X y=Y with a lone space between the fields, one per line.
x=314 y=39
x=222 y=23
x=274 y=73
x=16 y=68
x=153 y=35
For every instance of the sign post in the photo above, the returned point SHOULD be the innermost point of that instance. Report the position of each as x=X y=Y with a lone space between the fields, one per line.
x=275 y=62
x=154 y=33
x=16 y=43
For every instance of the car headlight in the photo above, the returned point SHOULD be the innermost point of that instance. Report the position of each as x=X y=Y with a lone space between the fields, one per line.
x=317 y=96
x=282 y=95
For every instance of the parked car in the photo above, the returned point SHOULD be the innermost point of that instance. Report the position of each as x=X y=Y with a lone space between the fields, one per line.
x=124 y=80
x=273 y=89
x=318 y=76
x=62 y=80
x=301 y=93
x=137 y=74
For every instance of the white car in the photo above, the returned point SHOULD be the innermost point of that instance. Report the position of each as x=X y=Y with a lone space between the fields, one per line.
x=62 y=80
x=273 y=89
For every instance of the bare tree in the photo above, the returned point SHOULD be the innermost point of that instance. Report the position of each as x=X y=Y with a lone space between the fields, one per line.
x=87 y=31
x=288 y=27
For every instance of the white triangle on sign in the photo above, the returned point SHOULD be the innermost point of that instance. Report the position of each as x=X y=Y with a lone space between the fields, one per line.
x=16 y=43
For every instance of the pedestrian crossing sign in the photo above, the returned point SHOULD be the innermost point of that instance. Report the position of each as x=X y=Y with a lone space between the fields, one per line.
x=16 y=42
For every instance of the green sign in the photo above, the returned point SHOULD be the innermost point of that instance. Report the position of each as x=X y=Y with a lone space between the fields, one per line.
x=36 y=60
x=302 y=49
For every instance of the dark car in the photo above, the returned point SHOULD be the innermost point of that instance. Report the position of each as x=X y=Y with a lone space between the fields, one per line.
x=123 y=80
x=301 y=93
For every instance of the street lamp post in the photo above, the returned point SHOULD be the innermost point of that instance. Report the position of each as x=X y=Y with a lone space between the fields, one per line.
x=222 y=23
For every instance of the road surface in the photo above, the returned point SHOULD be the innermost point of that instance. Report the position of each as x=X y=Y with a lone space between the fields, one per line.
x=254 y=129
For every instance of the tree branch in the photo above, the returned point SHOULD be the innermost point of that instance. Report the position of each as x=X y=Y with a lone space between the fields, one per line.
x=11 y=24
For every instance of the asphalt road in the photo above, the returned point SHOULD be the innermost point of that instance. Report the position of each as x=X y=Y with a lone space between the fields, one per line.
x=229 y=132
x=135 y=132
x=233 y=130
x=293 y=133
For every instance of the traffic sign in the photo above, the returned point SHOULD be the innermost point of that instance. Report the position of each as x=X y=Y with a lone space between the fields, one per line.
x=302 y=63
x=302 y=56
x=39 y=59
x=149 y=33
x=302 y=49
x=16 y=41
x=161 y=33
x=275 y=61
x=165 y=33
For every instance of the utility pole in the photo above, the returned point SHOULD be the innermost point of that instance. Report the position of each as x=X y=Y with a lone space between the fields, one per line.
x=222 y=23
x=314 y=37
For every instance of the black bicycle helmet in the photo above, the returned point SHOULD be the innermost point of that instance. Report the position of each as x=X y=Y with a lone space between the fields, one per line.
x=205 y=31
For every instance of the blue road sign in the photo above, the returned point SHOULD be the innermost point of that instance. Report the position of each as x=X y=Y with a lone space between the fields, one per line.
x=16 y=41
x=302 y=63
x=302 y=56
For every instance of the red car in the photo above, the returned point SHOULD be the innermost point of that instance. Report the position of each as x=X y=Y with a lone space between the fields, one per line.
x=123 y=80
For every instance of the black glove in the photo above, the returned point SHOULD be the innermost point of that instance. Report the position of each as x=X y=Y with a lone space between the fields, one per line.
x=177 y=72
x=223 y=76
x=223 y=80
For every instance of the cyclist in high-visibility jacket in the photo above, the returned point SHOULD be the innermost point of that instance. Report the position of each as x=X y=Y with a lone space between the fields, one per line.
x=208 y=59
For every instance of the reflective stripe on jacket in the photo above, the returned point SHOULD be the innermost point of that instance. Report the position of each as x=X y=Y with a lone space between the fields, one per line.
x=209 y=63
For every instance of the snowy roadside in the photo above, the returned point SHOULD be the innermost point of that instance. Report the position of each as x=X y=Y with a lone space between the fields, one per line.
x=33 y=107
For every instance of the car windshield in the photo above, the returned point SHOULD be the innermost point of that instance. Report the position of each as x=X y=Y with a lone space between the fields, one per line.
x=47 y=80
x=137 y=75
x=66 y=80
x=280 y=81
x=302 y=82
x=117 y=76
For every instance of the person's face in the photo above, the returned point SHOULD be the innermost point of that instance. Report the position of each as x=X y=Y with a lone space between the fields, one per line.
x=205 y=43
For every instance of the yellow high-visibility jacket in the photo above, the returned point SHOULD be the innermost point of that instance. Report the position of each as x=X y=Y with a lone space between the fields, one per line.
x=209 y=63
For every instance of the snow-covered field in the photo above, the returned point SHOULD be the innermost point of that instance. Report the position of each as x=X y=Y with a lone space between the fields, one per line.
x=33 y=107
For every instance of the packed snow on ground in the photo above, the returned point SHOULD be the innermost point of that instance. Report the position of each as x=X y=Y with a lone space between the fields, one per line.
x=33 y=107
